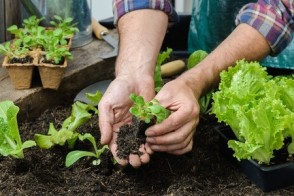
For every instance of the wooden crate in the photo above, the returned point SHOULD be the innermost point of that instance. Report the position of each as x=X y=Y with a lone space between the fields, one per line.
x=9 y=15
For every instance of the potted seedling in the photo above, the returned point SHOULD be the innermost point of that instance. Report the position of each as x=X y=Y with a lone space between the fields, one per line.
x=53 y=61
x=35 y=45
x=19 y=63
x=258 y=111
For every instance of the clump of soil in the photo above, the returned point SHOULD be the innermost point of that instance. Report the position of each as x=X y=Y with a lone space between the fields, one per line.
x=130 y=137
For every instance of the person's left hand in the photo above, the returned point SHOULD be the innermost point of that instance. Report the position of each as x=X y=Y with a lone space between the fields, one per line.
x=175 y=134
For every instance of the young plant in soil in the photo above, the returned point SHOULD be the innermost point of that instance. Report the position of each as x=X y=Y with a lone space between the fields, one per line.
x=81 y=114
x=131 y=136
x=16 y=52
x=10 y=140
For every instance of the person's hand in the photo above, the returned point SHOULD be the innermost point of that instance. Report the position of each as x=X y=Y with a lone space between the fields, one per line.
x=114 y=112
x=175 y=134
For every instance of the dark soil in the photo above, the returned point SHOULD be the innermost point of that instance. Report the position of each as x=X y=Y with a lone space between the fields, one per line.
x=130 y=137
x=26 y=59
x=203 y=171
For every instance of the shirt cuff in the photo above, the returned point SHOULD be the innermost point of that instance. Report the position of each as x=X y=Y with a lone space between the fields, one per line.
x=272 y=20
x=121 y=7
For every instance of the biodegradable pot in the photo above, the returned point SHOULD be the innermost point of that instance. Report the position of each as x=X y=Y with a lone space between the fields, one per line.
x=20 y=74
x=51 y=75
x=267 y=178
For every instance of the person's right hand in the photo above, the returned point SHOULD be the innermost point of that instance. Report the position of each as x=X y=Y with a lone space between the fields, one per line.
x=114 y=112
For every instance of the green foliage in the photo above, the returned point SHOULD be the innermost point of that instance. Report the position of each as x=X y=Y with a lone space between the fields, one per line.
x=204 y=101
x=162 y=57
x=148 y=111
x=196 y=57
x=69 y=134
x=32 y=22
x=32 y=36
x=94 y=98
x=75 y=155
x=10 y=140
x=66 y=25
x=14 y=51
x=258 y=107
x=57 y=54
x=81 y=113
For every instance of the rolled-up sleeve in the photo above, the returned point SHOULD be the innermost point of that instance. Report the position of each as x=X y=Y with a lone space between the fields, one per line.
x=273 y=19
x=121 y=7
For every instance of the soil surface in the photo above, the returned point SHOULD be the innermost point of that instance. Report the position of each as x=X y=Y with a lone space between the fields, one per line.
x=203 y=171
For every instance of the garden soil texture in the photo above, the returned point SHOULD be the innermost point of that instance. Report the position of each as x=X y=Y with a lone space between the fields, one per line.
x=203 y=171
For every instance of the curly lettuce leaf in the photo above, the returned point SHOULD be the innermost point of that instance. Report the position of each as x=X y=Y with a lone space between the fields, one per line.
x=258 y=108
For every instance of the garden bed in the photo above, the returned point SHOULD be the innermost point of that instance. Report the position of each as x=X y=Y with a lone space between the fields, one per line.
x=203 y=171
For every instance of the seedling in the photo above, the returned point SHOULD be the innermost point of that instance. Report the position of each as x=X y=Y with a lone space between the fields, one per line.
x=148 y=111
x=66 y=25
x=75 y=155
x=81 y=113
x=14 y=51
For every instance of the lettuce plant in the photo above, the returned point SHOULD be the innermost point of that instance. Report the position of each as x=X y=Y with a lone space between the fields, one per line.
x=10 y=140
x=81 y=113
x=148 y=111
x=158 y=82
x=75 y=155
x=259 y=109
x=204 y=101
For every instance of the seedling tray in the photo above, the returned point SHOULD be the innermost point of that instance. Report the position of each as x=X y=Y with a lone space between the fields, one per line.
x=267 y=178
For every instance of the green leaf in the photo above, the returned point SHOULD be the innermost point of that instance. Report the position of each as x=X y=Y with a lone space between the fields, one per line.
x=74 y=156
x=94 y=98
x=196 y=57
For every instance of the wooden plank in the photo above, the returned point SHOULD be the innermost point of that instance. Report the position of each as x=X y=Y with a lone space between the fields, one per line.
x=2 y=23
x=12 y=15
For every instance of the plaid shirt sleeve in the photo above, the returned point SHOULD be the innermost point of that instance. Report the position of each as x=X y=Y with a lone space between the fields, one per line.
x=273 y=19
x=121 y=7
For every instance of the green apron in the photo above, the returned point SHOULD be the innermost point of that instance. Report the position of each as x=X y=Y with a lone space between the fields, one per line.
x=213 y=20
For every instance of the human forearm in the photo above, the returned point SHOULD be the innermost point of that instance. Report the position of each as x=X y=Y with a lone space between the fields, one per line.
x=141 y=35
x=243 y=43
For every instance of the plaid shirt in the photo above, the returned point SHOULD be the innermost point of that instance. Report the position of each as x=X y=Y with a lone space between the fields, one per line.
x=121 y=7
x=274 y=19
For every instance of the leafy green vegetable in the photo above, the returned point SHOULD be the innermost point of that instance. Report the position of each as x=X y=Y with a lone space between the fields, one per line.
x=75 y=155
x=66 y=25
x=158 y=82
x=204 y=101
x=258 y=108
x=10 y=140
x=196 y=57
x=81 y=113
x=94 y=98
x=15 y=51
x=148 y=111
